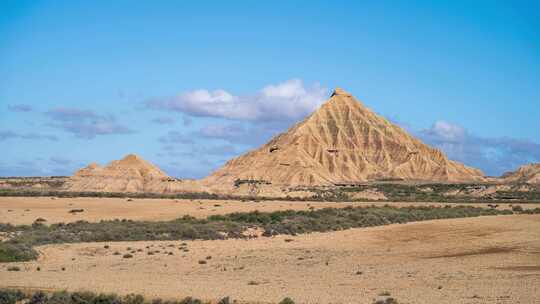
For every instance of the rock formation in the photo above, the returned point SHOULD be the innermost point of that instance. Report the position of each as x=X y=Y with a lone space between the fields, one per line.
x=342 y=142
x=529 y=174
x=130 y=174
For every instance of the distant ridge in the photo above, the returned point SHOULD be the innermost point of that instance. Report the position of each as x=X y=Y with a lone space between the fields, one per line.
x=342 y=142
x=529 y=174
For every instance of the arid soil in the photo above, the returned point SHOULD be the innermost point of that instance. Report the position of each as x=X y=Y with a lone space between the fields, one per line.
x=493 y=259
x=25 y=210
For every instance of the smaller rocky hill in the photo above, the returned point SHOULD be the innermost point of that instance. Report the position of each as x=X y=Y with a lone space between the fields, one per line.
x=529 y=174
x=130 y=174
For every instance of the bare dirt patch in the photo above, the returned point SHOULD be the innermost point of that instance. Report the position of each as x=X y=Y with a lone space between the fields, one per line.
x=521 y=268
x=481 y=251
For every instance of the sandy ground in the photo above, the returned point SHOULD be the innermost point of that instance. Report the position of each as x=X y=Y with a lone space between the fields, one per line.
x=25 y=210
x=492 y=259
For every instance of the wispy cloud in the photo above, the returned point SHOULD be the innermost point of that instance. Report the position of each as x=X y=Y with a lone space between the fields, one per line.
x=230 y=132
x=71 y=114
x=20 y=108
x=175 y=137
x=38 y=167
x=289 y=100
x=164 y=120
x=247 y=133
x=493 y=155
x=85 y=124
x=60 y=160
x=199 y=152
x=8 y=134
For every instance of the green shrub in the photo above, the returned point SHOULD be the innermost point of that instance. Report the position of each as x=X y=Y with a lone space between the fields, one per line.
x=82 y=297
x=286 y=300
x=531 y=211
x=133 y=299
x=225 y=300
x=10 y=296
x=16 y=252
x=38 y=298
x=14 y=268
x=190 y=300
x=517 y=208
x=60 y=297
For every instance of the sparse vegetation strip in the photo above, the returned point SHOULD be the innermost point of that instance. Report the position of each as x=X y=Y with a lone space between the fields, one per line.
x=14 y=296
x=392 y=192
x=19 y=246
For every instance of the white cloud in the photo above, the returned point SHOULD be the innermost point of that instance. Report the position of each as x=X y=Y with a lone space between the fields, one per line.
x=84 y=123
x=448 y=131
x=223 y=131
x=289 y=100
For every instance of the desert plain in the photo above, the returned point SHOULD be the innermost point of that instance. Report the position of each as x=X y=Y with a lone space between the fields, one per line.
x=490 y=259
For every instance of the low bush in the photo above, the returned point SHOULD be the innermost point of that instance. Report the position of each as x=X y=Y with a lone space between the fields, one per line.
x=531 y=211
x=10 y=296
x=226 y=300
x=517 y=208
x=16 y=252
x=286 y=301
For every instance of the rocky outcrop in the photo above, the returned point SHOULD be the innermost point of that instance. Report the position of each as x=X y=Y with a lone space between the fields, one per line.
x=529 y=174
x=130 y=174
x=342 y=142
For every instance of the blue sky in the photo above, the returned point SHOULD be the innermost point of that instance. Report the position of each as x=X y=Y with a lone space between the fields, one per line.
x=188 y=85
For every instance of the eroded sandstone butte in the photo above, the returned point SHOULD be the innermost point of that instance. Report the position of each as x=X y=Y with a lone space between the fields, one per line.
x=130 y=174
x=529 y=174
x=342 y=142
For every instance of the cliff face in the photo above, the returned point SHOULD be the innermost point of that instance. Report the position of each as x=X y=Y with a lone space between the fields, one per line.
x=526 y=174
x=342 y=142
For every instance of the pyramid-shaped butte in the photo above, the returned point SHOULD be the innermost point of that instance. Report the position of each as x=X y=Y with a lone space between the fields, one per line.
x=130 y=174
x=343 y=142
x=131 y=167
